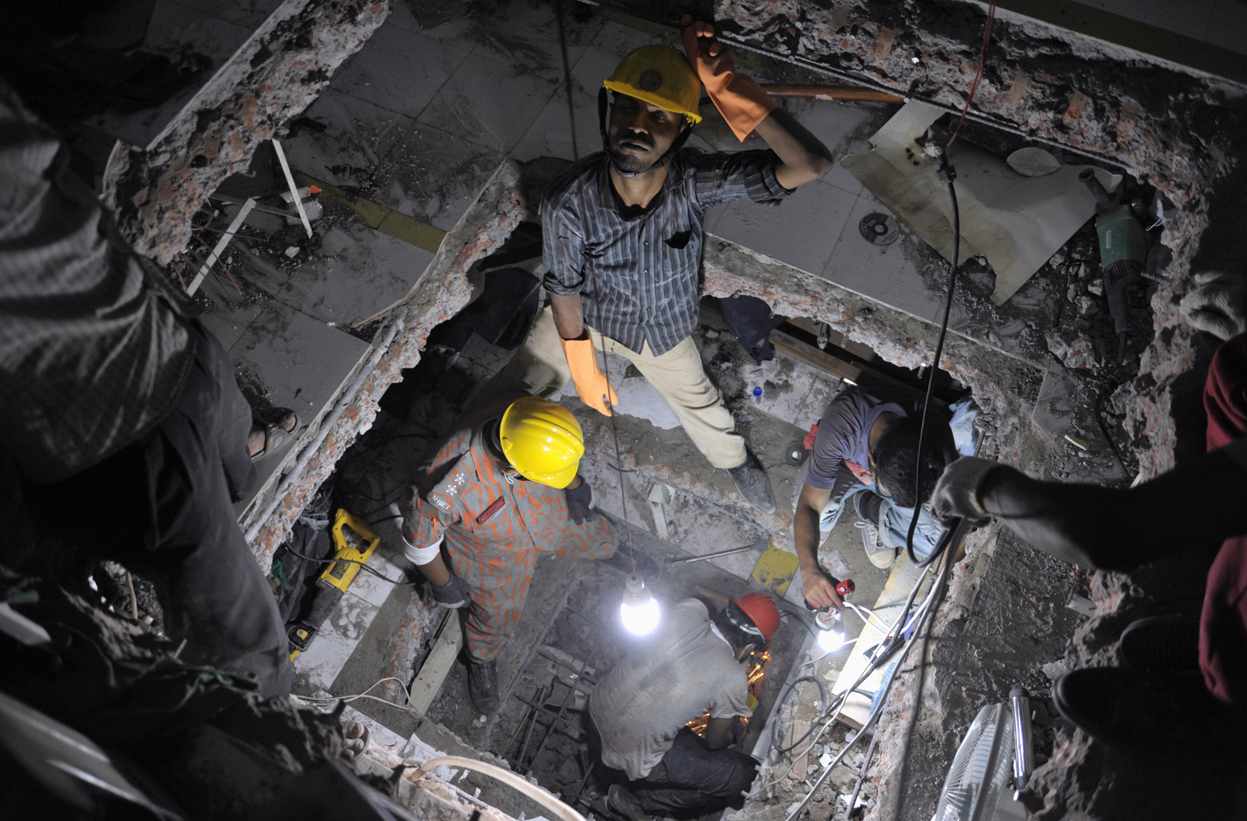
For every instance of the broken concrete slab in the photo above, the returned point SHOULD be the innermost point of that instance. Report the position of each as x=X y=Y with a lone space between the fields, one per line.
x=154 y=193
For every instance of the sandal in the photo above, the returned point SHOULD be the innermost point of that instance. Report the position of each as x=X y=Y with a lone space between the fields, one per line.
x=275 y=436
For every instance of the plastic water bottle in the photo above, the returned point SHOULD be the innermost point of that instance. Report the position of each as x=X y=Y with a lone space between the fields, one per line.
x=757 y=394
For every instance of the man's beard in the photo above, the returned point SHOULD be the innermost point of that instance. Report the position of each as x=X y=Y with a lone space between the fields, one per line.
x=629 y=163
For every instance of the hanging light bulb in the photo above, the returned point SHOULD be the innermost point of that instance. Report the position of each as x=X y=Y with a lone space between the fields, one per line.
x=639 y=610
x=830 y=630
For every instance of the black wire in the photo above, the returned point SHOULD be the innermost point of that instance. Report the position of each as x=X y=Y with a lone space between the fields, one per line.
x=376 y=573
x=935 y=366
x=928 y=623
x=567 y=79
x=777 y=712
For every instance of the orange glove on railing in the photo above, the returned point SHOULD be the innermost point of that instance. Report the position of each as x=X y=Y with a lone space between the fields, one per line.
x=740 y=100
x=590 y=382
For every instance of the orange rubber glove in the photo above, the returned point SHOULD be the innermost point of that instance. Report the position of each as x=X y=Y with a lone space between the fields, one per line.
x=740 y=100
x=590 y=382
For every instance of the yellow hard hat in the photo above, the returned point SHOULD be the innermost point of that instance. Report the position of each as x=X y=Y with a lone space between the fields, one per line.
x=542 y=440
x=661 y=76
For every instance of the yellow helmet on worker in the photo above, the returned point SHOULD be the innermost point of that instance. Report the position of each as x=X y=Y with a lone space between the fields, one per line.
x=661 y=76
x=542 y=440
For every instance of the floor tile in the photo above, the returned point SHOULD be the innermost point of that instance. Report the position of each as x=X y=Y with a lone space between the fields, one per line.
x=799 y=231
x=358 y=272
x=1228 y=25
x=249 y=13
x=294 y=360
x=357 y=135
x=524 y=34
x=316 y=667
x=882 y=272
x=399 y=70
x=487 y=102
x=434 y=176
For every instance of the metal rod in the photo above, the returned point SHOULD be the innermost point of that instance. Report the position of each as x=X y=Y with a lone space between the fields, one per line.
x=832 y=92
x=538 y=697
x=567 y=728
x=758 y=545
x=294 y=189
x=220 y=246
x=563 y=706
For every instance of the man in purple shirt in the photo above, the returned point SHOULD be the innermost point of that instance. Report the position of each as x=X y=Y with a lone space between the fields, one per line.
x=866 y=450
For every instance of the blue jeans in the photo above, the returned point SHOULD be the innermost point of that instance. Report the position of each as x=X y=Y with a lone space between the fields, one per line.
x=893 y=519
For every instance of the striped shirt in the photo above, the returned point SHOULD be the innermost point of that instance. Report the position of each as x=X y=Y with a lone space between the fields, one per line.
x=638 y=272
x=91 y=357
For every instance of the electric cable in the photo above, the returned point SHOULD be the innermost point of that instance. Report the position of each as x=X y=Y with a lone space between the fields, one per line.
x=940 y=589
x=363 y=695
x=606 y=400
x=376 y=573
x=935 y=366
x=951 y=175
x=567 y=79
x=978 y=75
x=925 y=610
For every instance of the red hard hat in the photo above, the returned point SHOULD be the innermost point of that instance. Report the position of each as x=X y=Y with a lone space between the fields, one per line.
x=761 y=610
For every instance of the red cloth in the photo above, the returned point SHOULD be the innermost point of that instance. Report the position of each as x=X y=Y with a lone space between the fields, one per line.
x=1223 y=623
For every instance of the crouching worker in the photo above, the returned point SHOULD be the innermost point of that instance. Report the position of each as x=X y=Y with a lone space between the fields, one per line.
x=691 y=665
x=498 y=492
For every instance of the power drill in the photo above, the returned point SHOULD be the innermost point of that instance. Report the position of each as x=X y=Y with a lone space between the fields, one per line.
x=1123 y=252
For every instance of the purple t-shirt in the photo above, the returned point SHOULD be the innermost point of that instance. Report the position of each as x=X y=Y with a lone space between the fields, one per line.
x=844 y=434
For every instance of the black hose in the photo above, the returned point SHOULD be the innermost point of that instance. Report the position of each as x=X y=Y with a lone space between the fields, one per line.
x=935 y=366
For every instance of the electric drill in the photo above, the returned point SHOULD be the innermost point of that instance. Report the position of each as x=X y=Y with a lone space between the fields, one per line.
x=1123 y=253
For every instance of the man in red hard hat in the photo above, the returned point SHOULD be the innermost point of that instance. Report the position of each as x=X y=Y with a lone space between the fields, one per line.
x=623 y=231
x=693 y=665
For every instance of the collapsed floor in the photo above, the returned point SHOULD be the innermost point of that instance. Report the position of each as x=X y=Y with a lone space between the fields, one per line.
x=409 y=158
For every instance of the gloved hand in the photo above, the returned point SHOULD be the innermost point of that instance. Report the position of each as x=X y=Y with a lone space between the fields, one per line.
x=956 y=494
x=1218 y=305
x=740 y=100
x=590 y=382
x=453 y=594
x=580 y=503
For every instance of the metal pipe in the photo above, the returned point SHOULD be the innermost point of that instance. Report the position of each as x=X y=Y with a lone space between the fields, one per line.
x=325 y=427
x=507 y=777
x=831 y=92
x=758 y=545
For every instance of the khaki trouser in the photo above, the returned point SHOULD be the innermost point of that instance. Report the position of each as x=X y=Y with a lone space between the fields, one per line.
x=539 y=368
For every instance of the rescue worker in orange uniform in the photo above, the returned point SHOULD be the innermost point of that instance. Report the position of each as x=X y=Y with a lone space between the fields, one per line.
x=499 y=491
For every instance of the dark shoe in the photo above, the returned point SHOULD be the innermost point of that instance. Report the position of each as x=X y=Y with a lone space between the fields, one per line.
x=1151 y=717
x=646 y=567
x=754 y=486
x=624 y=804
x=1169 y=643
x=483 y=686
x=880 y=555
x=279 y=427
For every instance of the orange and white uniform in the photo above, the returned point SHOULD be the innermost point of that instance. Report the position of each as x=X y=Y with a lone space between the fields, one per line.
x=492 y=528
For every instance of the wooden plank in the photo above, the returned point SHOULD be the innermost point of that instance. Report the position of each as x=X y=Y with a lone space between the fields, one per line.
x=813 y=356
x=836 y=338
x=437 y=665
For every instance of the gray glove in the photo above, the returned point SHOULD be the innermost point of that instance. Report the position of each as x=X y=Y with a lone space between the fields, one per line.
x=956 y=494
x=580 y=503
x=453 y=594
x=1218 y=305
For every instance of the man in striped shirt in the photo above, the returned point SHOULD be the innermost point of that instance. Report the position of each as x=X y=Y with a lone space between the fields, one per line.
x=622 y=233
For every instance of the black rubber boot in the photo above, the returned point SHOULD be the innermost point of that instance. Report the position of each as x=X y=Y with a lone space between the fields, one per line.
x=483 y=686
